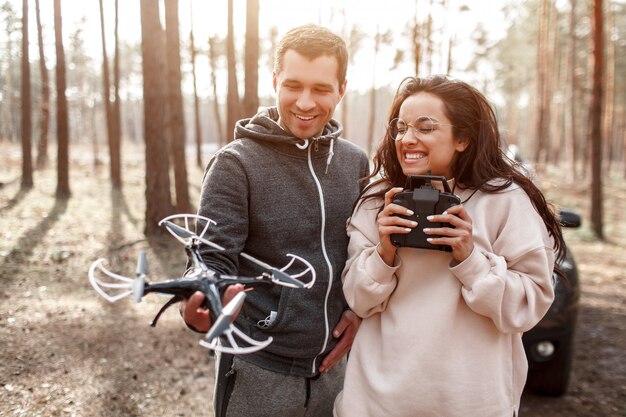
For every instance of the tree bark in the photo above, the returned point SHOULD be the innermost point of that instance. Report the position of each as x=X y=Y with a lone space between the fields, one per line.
x=116 y=152
x=251 y=95
x=609 y=102
x=213 y=42
x=44 y=123
x=232 y=99
x=114 y=165
x=27 y=158
x=63 y=130
x=196 y=101
x=571 y=128
x=176 y=116
x=542 y=109
x=595 y=118
x=158 y=200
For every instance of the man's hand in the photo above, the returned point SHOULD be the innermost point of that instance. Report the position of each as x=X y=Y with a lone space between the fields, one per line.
x=345 y=332
x=197 y=316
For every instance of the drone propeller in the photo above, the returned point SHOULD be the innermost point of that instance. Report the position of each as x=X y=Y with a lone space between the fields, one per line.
x=119 y=286
x=279 y=276
x=225 y=318
x=140 y=277
x=176 y=229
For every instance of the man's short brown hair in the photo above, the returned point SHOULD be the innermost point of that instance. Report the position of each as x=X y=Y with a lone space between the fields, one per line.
x=313 y=41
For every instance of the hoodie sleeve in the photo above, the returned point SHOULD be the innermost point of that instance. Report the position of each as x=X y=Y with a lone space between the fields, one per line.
x=512 y=282
x=224 y=200
x=368 y=281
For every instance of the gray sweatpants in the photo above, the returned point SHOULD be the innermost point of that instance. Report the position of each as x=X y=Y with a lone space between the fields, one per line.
x=257 y=392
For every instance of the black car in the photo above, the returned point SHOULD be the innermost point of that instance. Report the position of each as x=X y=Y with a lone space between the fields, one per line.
x=550 y=344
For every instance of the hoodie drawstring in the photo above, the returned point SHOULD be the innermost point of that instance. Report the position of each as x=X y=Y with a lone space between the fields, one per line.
x=330 y=154
x=303 y=145
x=331 y=151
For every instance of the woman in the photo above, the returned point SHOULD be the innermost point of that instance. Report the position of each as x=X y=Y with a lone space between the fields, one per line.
x=442 y=331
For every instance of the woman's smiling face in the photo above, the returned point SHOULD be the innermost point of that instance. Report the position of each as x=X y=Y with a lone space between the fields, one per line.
x=428 y=144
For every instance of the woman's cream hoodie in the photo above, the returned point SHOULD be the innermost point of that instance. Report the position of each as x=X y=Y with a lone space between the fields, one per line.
x=444 y=339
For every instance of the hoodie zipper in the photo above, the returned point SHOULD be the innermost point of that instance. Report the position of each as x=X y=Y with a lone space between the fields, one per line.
x=328 y=263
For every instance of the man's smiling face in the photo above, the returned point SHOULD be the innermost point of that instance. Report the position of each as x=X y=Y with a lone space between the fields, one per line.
x=307 y=92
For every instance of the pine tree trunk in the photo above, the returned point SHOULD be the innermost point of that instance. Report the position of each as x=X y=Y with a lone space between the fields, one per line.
x=63 y=130
x=232 y=103
x=251 y=95
x=27 y=158
x=112 y=129
x=196 y=100
x=44 y=123
x=216 y=107
x=595 y=118
x=175 y=100
x=116 y=123
x=158 y=199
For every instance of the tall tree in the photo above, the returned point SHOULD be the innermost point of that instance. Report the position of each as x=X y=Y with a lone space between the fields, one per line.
x=63 y=129
x=609 y=102
x=158 y=200
x=175 y=102
x=416 y=41
x=44 y=121
x=114 y=145
x=354 y=43
x=27 y=159
x=116 y=157
x=251 y=95
x=8 y=125
x=571 y=128
x=196 y=100
x=380 y=39
x=595 y=117
x=232 y=99
x=214 y=43
x=543 y=106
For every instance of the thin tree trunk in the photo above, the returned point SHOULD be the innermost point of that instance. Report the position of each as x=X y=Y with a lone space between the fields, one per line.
x=609 y=103
x=116 y=151
x=44 y=123
x=372 y=112
x=417 y=42
x=196 y=101
x=158 y=199
x=108 y=107
x=595 y=118
x=232 y=104
x=554 y=127
x=251 y=94
x=541 y=130
x=216 y=107
x=175 y=100
x=571 y=130
x=63 y=129
x=27 y=159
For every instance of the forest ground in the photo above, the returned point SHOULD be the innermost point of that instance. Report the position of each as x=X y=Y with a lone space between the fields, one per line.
x=67 y=352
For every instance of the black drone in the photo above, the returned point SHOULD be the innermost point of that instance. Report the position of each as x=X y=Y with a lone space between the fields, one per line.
x=223 y=336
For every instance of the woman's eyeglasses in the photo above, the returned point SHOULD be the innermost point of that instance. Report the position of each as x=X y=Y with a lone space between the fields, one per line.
x=423 y=125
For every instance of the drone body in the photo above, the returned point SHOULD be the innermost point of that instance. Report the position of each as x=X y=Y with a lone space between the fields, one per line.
x=223 y=335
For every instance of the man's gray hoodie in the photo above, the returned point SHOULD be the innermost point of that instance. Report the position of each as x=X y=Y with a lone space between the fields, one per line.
x=272 y=194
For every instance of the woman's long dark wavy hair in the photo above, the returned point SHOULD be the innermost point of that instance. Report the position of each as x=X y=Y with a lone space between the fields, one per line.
x=474 y=120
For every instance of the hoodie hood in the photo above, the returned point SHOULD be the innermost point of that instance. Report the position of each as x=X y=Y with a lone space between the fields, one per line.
x=264 y=127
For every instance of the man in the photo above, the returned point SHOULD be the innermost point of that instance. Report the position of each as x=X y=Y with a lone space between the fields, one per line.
x=287 y=185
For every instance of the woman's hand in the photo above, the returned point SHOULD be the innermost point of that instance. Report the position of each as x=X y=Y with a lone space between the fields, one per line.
x=459 y=238
x=390 y=223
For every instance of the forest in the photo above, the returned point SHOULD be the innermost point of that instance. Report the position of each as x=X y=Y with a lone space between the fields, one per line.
x=103 y=136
